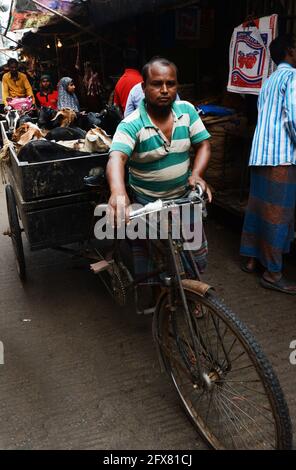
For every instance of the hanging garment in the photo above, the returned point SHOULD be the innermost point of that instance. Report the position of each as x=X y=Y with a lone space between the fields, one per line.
x=250 y=63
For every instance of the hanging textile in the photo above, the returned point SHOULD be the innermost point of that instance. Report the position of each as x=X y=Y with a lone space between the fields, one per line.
x=249 y=57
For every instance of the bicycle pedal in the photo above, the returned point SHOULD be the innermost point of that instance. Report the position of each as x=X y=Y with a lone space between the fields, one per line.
x=146 y=311
x=99 y=266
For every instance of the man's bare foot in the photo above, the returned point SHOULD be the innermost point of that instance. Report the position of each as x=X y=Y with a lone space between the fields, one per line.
x=249 y=265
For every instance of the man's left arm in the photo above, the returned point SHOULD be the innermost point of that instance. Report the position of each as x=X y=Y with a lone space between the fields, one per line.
x=28 y=88
x=199 y=139
x=201 y=160
x=290 y=107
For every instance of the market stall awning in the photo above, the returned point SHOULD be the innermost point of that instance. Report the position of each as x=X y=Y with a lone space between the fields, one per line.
x=30 y=14
x=103 y=12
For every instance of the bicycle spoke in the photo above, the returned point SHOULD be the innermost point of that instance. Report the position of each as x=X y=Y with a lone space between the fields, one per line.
x=258 y=408
x=245 y=414
x=242 y=383
x=221 y=426
x=228 y=412
x=241 y=424
x=209 y=406
x=238 y=357
x=241 y=368
x=228 y=353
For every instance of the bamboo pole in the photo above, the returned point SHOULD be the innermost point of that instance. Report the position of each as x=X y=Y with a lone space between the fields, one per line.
x=9 y=18
x=5 y=36
x=4 y=53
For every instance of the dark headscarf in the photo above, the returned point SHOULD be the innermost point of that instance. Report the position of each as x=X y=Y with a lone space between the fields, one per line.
x=50 y=88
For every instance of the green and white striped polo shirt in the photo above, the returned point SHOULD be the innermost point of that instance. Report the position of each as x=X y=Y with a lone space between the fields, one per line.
x=159 y=168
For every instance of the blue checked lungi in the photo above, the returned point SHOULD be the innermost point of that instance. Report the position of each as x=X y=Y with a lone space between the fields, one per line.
x=144 y=261
x=269 y=219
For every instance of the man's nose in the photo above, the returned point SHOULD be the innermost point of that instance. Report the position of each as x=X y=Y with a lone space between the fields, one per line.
x=164 y=88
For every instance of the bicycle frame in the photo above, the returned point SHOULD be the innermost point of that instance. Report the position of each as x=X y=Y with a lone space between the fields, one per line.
x=172 y=284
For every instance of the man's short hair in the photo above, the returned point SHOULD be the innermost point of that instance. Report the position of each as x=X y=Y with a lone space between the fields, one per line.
x=12 y=61
x=280 y=46
x=158 y=60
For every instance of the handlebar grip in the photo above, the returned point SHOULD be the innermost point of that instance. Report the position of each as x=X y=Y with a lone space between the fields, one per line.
x=152 y=206
x=197 y=189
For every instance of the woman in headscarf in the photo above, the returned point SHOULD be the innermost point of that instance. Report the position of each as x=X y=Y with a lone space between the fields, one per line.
x=66 y=95
x=47 y=96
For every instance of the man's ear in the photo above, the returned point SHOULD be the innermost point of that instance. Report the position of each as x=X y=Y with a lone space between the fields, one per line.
x=291 y=51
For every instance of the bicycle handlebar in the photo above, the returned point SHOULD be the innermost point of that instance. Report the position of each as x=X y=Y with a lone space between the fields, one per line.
x=196 y=196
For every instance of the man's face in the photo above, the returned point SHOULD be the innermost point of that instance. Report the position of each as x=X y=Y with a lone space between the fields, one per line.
x=13 y=68
x=45 y=83
x=160 y=88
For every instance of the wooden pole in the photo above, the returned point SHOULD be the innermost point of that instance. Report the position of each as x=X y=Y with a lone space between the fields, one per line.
x=57 y=56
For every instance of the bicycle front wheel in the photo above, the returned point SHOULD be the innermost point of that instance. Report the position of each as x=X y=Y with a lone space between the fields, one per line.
x=236 y=402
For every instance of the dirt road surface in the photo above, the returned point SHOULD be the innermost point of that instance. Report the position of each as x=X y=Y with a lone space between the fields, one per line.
x=81 y=373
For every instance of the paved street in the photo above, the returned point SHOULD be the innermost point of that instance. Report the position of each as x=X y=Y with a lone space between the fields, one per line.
x=81 y=373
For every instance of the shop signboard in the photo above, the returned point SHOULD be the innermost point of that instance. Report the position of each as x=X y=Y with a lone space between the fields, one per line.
x=26 y=14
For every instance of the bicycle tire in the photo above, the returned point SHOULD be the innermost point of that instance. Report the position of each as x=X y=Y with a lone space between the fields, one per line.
x=114 y=283
x=15 y=231
x=176 y=356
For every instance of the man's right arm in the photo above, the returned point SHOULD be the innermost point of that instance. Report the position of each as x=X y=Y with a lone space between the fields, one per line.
x=115 y=173
x=5 y=90
x=122 y=147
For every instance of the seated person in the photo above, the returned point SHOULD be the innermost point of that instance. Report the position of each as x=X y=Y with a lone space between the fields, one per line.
x=66 y=95
x=15 y=84
x=47 y=96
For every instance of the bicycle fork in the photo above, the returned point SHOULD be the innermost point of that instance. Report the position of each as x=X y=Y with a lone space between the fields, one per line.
x=172 y=308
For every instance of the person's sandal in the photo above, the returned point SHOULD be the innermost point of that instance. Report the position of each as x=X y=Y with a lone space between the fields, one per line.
x=244 y=267
x=282 y=285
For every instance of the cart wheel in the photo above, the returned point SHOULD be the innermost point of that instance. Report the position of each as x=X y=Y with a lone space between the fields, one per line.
x=16 y=233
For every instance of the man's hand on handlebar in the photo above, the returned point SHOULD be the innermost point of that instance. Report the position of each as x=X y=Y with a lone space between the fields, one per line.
x=194 y=180
x=118 y=208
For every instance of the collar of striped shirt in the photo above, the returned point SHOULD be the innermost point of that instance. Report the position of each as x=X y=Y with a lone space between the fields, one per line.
x=284 y=65
x=146 y=119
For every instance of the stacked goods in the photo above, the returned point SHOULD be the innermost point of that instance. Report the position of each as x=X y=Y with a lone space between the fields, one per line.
x=229 y=150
